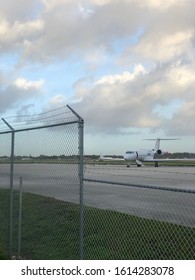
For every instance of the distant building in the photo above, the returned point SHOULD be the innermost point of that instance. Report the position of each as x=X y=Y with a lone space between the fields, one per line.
x=26 y=158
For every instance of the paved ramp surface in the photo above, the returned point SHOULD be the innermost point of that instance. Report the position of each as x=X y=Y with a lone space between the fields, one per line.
x=61 y=181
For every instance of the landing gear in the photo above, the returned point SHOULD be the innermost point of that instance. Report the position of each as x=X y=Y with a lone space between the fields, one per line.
x=128 y=165
x=156 y=164
x=138 y=163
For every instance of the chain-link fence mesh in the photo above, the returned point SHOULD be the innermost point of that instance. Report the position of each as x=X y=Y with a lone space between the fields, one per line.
x=4 y=216
x=128 y=213
x=5 y=150
x=44 y=188
x=139 y=213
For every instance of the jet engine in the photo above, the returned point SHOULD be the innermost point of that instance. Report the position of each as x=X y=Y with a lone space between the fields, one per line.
x=160 y=152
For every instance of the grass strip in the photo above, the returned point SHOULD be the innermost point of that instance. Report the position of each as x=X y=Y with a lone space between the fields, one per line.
x=50 y=230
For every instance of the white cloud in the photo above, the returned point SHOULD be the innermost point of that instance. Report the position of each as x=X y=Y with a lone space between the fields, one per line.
x=25 y=9
x=85 y=11
x=138 y=99
x=20 y=28
x=161 y=4
x=183 y=75
x=52 y=4
x=122 y=78
x=13 y=36
x=96 y=56
x=109 y=94
x=57 y=100
x=163 y=48
x=15 y=94
x=24 y=84
x=115 y=102
x=182 y=122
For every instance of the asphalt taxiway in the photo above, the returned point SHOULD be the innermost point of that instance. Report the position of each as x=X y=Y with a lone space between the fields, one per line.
x=169 y=194
x=163 y=193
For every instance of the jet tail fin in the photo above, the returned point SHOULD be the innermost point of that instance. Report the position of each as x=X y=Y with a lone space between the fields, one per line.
x=157 y=144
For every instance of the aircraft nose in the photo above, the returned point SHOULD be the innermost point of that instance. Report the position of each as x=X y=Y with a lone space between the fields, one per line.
x=125 y=156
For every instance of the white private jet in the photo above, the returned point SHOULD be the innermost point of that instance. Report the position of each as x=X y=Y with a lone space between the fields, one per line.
x=144 y=155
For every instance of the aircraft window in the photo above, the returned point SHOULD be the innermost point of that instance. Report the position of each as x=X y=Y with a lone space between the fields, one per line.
x=129 y=152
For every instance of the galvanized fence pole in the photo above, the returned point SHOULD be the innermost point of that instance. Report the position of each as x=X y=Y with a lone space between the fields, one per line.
x=11 y=184
x=81 y=148
x=11 y=191
x=81 y=177
x=20 y=216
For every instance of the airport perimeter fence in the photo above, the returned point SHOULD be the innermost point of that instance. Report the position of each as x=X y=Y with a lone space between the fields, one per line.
x=52 y=206
x=139 y=213
x=41 y=207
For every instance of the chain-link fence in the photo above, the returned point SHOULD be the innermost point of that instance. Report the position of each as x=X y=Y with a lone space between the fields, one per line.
x=51 y=207
x=41 y=185
x=139 y=213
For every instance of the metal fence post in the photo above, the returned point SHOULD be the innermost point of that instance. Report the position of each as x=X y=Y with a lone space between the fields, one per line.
x=81 y=177
x=20 y=216
x=11 y=191
x=81 y=139
x=11 y=184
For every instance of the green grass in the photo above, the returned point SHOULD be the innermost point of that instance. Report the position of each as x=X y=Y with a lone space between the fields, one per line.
x=3 y=256
x=4 y=220
x=120 y=236
x=50 y=230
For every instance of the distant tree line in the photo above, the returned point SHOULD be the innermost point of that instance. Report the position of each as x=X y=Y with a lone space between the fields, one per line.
x=183 y=155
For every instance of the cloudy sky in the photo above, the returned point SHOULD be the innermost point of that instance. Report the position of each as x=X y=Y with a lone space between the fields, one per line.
x=126 y=66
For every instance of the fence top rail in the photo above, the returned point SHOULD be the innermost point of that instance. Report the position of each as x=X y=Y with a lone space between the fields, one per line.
x=170 y=189
x=57 y=117
x=39 y=127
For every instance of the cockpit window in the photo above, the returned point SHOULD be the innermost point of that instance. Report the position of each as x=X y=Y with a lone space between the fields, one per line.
x=129 y=152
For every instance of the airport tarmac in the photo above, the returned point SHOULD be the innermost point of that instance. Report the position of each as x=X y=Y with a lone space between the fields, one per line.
x=165 y=205
x=124 y=194
x=176 y=177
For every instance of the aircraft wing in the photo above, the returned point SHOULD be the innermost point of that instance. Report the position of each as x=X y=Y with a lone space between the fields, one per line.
x=110 y=158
